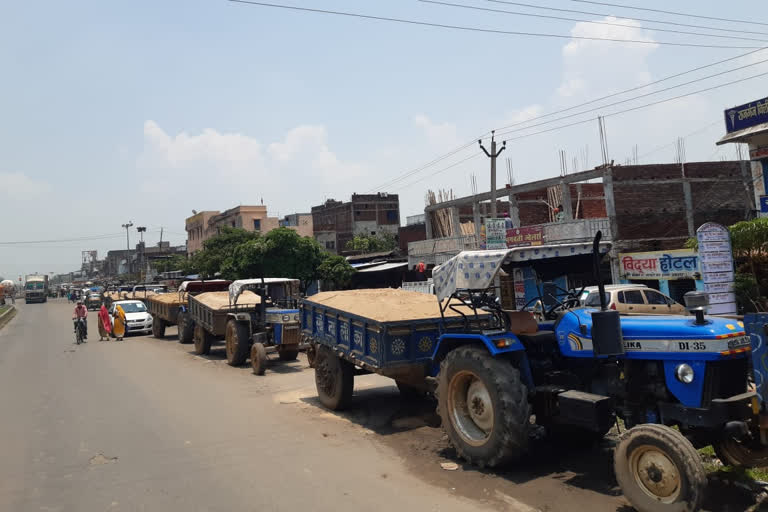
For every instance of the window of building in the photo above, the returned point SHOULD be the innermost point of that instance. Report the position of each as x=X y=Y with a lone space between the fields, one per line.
x=257 y=224
x=631 y=297
x=330 y=244
x=392 y=216
x=233 y=223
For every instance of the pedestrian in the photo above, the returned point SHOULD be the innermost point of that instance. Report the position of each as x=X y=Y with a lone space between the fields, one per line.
x=119 y=327
x=105 y=325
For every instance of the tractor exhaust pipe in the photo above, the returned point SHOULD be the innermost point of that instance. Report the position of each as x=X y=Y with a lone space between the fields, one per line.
x=596 y=269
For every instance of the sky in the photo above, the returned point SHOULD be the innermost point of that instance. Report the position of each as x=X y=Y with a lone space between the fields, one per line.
x=145 y=110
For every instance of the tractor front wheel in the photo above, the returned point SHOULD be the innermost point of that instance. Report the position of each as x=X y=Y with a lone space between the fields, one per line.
x=186 y=328
x=659 y=470
x=483 y=406
x=259 y=358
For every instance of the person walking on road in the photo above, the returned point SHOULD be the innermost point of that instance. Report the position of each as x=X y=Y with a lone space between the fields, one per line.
x=119 y=327
x=105 y=325
x=80 y=315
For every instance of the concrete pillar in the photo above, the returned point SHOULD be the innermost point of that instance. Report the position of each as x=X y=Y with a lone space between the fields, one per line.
x=514 y=210
x=610 y=203
x=565 y=190
x=455 y=221
x=477 y=221
x=689 y=207
x=428 y=224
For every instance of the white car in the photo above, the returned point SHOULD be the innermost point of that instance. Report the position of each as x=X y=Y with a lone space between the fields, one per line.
x=137 y=318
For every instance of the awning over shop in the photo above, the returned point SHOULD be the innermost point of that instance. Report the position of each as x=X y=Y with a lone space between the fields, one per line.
x=742 y=135
x=385 y=266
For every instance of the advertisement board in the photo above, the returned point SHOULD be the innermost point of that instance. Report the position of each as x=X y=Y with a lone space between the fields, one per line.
x=495 y=234
x=746 y=116
x=717 y=267
x=525 y=236
x=678 y=264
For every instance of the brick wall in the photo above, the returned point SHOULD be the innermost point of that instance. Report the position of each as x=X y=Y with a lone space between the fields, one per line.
x=411 y=233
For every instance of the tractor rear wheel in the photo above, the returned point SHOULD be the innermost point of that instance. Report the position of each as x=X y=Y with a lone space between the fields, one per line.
x=203 y=341
x=748 y=454
x=659 y=470
x=483 y=406
x=186 y=328
x=334 y=379
x=237 y=342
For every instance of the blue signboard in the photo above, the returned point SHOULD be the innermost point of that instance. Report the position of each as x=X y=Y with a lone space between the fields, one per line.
x=763 y=204
x=746 y=116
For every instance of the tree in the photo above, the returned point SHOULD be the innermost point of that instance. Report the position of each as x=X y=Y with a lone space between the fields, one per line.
x=219 y=251
x=174 y=263
x=336 y=270
x=366 y=244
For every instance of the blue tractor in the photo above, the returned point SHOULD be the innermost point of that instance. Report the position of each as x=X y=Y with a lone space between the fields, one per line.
x=677 y=383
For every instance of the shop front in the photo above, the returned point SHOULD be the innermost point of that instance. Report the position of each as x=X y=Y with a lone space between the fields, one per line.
x=748 y=124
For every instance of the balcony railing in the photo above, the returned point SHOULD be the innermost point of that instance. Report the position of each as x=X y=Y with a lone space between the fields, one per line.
x=439 y=250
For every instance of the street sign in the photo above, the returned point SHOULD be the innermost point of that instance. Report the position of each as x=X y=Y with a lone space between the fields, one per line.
x=746 y=116
x=495 y=234
x=763 y=204
x=717 y=267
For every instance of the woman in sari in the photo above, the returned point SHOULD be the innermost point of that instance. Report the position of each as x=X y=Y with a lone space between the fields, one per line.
x=119 y=327
x=105 y=326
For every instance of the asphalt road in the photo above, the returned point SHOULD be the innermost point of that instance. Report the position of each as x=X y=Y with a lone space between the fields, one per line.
x=144 y=424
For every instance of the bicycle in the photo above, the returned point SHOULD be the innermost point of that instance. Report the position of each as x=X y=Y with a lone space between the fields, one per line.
x=79 y=336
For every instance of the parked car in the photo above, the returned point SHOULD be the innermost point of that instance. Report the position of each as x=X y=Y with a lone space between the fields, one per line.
x=633 y=298
x=137 y=317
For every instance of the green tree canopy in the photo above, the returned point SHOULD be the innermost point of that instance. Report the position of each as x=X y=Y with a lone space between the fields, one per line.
x=219 y=252
x=336 y=270
x=372 y=243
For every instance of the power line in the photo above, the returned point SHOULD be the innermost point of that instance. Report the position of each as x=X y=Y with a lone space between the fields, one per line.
x=689 y=15
x=438 y=171
x=562 y=18
x=642 y=106
x=479 y=29
x=637 y=97
x=665 y=146
x=672 y=23
x=425 y=166
x=78 y=239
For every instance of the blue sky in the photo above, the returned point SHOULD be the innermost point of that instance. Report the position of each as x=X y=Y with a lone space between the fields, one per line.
x=145 y=110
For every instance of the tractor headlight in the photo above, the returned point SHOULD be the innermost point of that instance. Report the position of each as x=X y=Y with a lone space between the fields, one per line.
x=286 y=318
x=684 y=373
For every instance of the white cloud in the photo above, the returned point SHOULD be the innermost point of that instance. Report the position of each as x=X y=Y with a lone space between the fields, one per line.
x=522 y=115
x=595 y=67
x=18 y=186
x=439 y=135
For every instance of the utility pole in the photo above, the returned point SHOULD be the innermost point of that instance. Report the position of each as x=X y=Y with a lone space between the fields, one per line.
x=141 y=230
x=493 y=155
x=127 y=236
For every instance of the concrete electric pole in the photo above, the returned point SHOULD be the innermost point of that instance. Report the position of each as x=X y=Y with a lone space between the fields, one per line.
x=127 y=236
x=493 y=155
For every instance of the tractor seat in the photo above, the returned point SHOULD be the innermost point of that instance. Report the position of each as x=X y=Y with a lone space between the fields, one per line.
x=522 y=322
x=538 y=338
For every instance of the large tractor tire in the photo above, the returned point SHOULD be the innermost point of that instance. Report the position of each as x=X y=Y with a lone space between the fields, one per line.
x=237 y=342
x=186 y=328
x=747 y=453
x=259 y=358
x=158 y=327
x=287 y=352
x=203 y=341
x=483 y=406
x=659 y=470
x=334 y=379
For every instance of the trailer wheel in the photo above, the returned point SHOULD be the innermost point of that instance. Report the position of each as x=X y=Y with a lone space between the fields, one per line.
x=287 y=352
x=483 y=406
x=311 y=354
x=237 y=342
x=334 y=379
x=158 y=327
x=659 y=470
x=186 y=328
x=258 y=358
x=203 y=341
x=748 y=454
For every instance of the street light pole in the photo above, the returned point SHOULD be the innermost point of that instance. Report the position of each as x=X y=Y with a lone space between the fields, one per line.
x=127 y=236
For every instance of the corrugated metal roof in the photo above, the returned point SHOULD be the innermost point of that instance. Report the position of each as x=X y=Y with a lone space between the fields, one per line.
x=739 y=135
x=385 y=266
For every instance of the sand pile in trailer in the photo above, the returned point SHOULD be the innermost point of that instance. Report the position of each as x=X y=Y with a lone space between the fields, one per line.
x=384 y=305
x=170 y=298
x=220 y=300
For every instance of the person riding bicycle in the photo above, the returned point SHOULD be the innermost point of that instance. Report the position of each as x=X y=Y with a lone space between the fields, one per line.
x=81 y=315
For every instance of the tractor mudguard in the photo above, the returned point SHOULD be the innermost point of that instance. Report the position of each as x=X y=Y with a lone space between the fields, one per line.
x=496 y=344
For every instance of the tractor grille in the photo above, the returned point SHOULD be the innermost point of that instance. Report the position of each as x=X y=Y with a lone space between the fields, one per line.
x=291 y=335
x=724 y=379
